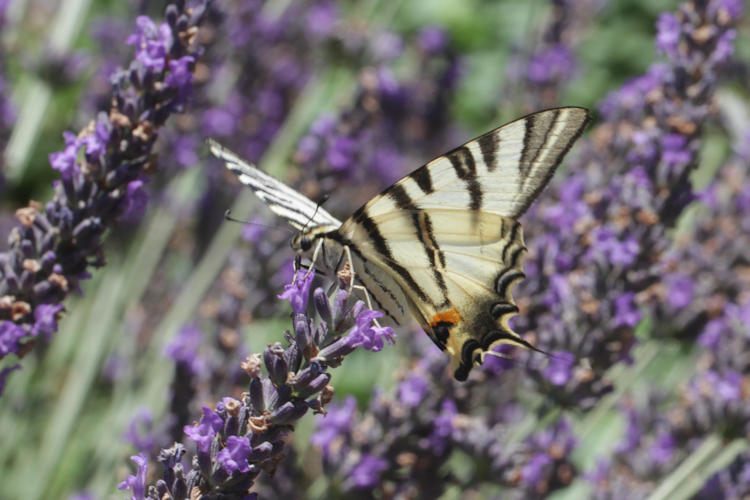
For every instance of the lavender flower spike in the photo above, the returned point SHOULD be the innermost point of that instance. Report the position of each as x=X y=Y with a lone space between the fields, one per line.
x=102 y=172
x=241 y=439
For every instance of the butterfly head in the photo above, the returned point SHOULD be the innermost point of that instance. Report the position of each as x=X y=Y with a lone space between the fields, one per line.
x=309 y=243
x=302 y=243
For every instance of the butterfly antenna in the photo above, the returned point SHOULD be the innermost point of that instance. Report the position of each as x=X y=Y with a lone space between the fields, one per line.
x=523 y=343
x=228 y=216
x=323 y=199
x=534 y=348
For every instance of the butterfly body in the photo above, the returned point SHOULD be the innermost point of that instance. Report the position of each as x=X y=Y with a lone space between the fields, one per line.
x=443 y=244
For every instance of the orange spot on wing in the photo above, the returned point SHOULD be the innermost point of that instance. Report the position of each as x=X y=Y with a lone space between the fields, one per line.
x=450 y=316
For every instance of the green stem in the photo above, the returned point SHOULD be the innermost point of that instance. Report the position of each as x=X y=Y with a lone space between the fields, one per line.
x=711 y=456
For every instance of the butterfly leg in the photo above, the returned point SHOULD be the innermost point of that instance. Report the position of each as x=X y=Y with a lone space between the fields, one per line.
x=368 y=301
x=352 y=274
x=361 y=288
x=316 y=252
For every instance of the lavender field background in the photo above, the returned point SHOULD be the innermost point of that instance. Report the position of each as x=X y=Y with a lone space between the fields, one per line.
x=136 y=322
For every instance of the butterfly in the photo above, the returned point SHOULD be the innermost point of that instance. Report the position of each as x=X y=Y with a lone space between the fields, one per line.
x=443 y=244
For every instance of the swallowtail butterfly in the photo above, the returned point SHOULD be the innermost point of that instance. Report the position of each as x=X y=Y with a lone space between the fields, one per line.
x=443 y=244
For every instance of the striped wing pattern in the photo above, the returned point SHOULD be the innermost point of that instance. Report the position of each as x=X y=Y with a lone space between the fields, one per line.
x=284 y=201
x=447 y=233
x=442 y=244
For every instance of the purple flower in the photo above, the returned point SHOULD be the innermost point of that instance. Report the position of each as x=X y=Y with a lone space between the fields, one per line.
x=626 y=313
x=674 y=150
x=558 y=435
x=137 y=483
x=498 y=364
x=184 y=349
x=298 y=293
x=271 y=104
x=712 y=333
x=536 y=469
x=663 y=449
x=680 y=290
x=600 y=472
x=367 y=336
x=321 y=18
x=219 y=122
x=387 y=162
x=366 y=474
x=341 y=153
x=571 y=207
x=65 y=161
x=202 y=433
x=134 y=202
x=253 y=231
x=668 y=34
x=551 y=65
x=412 y=390
x=10 y=333
x=151 y=43
x=140 y=431
x=181 y=77
x=560 y=367
x=45 y=319
x=558 y=291
x=630 y=95
x=728 y=385
x=617 y=251
x=572 y=189
x=185 y=150
x=324 y=125
x=96 y=143
x=739 y=312
x=432 y=39
x=443 y=427
x=733 y=7
x=234 y=455
x=336 y=422
x=644 y=151
x=724 y=47
x=713 y=386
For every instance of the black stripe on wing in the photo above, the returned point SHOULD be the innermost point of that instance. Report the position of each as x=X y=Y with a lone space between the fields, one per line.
x=538 y=139
x=466 y=169
x=488 y=145
x=423 y=180
x=424 y=232
x=381 y=246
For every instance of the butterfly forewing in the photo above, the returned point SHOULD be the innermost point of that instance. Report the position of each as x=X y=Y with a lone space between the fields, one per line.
x=500 y=172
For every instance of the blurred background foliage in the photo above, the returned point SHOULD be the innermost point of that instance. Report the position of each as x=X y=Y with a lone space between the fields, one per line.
x=71 y=416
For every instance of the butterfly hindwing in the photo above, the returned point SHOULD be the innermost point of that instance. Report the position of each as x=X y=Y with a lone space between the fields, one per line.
x=447 y=233
x=382 y=290
x=457 y=280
